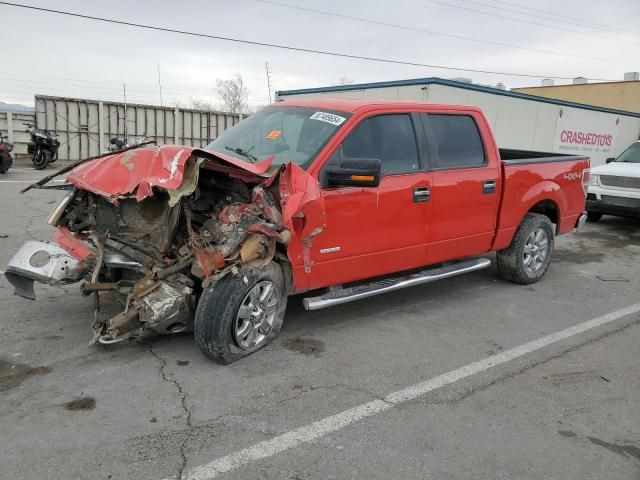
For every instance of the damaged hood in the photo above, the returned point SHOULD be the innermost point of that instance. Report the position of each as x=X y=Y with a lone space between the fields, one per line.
x=141 y=169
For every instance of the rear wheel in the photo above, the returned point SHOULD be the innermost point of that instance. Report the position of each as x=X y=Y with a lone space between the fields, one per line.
x=41 y=159
x=529 y=255
x=240 y=314
x=5 y=163
x=593 y=216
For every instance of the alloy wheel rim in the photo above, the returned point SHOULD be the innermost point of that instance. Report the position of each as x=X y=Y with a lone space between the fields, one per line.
x=256 y=315
x=536 y=250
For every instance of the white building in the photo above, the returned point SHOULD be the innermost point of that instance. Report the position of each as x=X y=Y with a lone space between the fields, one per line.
x=519 y=121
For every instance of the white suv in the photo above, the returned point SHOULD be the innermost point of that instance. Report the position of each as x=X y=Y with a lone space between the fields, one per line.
x=614 y=188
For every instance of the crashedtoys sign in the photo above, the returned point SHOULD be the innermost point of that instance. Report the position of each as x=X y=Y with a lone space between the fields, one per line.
x=586 y=133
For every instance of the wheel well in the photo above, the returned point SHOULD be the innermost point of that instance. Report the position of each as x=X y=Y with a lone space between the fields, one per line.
x=287 y=272
x=547 y=208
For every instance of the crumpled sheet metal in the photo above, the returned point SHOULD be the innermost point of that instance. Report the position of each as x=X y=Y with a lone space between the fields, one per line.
x=189 y=181
x=44 y=262
x=257 y=250
x=300 y=206
x=301 y=198
x=208 y=261
x=135 y=170
x=76 y=247
x=300 y=194
x=141 y=169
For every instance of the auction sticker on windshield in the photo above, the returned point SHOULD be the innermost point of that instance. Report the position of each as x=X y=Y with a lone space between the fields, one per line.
x=328 y=117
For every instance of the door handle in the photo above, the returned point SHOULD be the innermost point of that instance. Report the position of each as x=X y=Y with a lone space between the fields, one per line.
x=489 y=186
x=421 y=194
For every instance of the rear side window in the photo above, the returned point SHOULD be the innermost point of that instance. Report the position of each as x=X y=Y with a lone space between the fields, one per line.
x=390 y=138
x=457 y=140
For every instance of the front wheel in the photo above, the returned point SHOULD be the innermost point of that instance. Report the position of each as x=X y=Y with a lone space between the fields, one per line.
x=529 y=255
x=41 y=158
x=240 y=314
x=5 y=163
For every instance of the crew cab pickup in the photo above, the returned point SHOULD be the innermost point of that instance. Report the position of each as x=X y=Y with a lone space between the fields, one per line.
x=614 y=188
x=342 y=199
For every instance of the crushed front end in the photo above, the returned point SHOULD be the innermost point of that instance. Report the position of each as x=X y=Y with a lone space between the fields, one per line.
x=155 y=225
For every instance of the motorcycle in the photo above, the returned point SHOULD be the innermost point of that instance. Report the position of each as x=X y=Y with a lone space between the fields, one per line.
x=43 y=148
x=5 y=155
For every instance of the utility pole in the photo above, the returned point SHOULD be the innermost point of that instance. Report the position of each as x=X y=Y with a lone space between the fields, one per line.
x=164 y=113
x=269 y=74
x=124 y=92
x=160 y=85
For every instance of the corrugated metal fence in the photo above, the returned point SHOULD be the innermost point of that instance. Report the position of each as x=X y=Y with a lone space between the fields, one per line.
x=85 y=127
x=12 y=128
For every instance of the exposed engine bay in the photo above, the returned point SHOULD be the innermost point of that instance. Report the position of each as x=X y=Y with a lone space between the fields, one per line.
x=177 y=220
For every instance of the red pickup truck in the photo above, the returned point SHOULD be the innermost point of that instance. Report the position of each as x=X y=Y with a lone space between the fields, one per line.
x=340 y=198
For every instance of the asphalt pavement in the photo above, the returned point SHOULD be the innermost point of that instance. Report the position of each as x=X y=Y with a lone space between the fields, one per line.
x=464 y=379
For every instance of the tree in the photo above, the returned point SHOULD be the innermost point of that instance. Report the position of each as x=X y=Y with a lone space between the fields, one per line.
x=176 y=103
x=233 y=93
x=199 y=104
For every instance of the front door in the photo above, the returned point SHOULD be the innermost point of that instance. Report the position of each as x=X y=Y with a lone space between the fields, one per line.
x=372 y=231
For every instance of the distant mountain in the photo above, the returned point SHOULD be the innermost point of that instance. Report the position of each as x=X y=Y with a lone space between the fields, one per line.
x=16 y=107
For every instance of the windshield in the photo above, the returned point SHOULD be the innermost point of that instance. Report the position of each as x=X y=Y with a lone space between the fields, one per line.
x=631 y=154
x=292 y=134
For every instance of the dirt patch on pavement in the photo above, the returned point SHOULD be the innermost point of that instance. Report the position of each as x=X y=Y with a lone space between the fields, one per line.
x=569 y=378
x=13 y=374
x=618 y=233
x=306 y=346
x=84 y=403
x=578 y=257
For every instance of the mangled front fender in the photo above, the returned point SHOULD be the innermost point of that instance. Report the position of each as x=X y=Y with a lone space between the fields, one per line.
x=303 y=211
x=136 y=172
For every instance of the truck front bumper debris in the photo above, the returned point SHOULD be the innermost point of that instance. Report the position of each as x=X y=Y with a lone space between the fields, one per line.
x=44 y=262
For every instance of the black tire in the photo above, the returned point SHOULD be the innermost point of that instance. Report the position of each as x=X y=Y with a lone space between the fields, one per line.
x=511 y=261
x=41 y=159
x=218 y=308
x=593 y=217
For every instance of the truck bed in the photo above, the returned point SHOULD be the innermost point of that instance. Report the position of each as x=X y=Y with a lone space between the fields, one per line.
x=525 y=157
x=528 y=178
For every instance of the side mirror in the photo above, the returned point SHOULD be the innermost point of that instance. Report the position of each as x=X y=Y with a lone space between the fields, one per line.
x=355 y=172
x=611 y=159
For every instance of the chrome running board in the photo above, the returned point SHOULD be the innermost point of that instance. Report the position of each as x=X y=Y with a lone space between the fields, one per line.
x=345 y=295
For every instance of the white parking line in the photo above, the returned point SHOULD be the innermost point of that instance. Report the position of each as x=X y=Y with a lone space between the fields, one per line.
x=31 y=170
x=27 y=181
x=336 y=422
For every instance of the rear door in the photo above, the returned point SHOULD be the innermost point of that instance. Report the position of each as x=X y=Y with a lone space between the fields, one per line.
x=466 y=185
x=372 y=231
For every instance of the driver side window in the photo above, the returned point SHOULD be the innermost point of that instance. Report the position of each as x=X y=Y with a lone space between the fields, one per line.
x=389 y=138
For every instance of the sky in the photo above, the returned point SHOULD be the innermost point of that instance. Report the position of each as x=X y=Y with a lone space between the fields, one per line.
x=44 y=53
